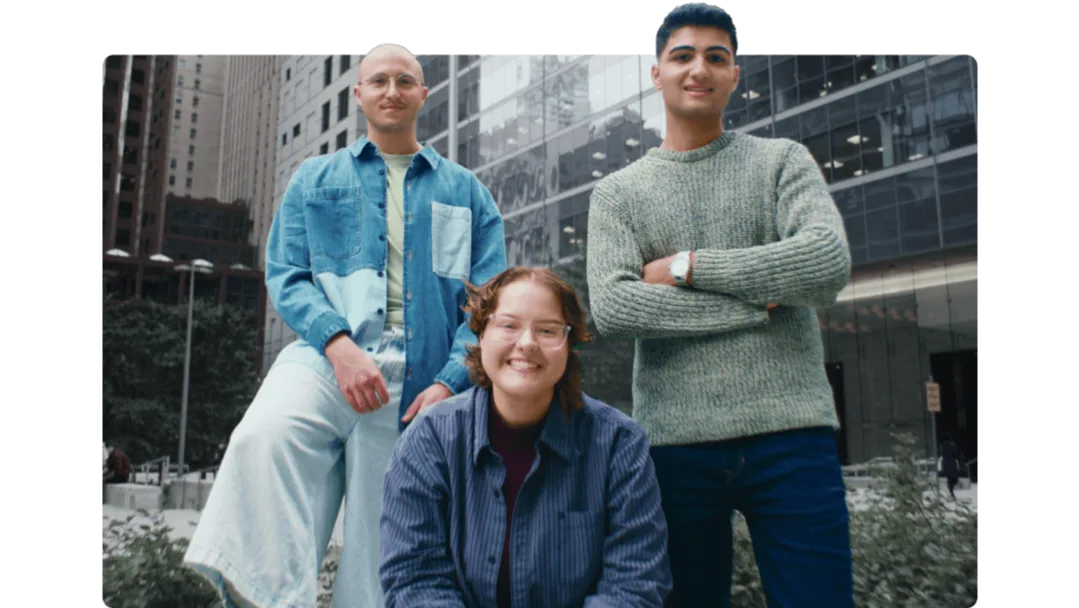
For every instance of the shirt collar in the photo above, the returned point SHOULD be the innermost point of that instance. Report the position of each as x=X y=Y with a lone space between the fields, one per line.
x=557 y=432
x=364 y=147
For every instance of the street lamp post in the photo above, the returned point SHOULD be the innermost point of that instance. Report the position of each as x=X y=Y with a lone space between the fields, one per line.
x=204 y=267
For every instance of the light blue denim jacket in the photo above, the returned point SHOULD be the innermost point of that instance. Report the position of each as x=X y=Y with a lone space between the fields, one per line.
x=326 y=260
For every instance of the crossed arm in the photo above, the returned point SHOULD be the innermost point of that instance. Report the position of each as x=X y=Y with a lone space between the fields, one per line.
x=731 y=288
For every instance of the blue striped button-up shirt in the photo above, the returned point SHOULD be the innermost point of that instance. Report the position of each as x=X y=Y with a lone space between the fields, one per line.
x=587 y=527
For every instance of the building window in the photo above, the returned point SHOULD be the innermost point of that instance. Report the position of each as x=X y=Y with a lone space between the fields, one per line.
x=187 y=183
x=325 y=117
x=296 y=131
x=195 y=100
x=138 y=76
x=324 y=148
x=327 y=71
x=194 y=117
x=110 y=115
x=124 y=210
x=134 y=102
x=108 y=171
x=288 y=74
x=132 y=129
x=197 y=82
x=198 y=68
x=181 y=64
x=284 y=139
x=172 y=163
x=342 y=139
x=176 y=114
x=342 y=104
x=180 y=80
x=191 y=149
x=345 y=63
x=123 y=238
x=190 y=165
x=192 y=134
x=179 y=97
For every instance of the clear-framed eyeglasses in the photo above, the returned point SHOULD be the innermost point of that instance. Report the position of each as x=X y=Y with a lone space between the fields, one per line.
x=548 y=335
x=404 y=82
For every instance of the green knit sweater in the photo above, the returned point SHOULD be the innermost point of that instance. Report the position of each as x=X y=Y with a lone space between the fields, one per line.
x=712 y=362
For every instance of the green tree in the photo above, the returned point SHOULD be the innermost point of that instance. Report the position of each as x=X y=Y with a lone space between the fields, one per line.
x=143 y=360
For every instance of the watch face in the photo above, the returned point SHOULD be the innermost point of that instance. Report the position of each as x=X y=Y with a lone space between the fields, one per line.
x=679 y=267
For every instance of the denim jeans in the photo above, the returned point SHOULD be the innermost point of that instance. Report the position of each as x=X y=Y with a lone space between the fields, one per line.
x=298 y=451
x=789 y=487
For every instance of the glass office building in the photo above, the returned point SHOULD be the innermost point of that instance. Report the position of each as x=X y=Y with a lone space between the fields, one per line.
x=895 y=138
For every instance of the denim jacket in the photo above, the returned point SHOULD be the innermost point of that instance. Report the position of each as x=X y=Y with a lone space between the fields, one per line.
x=326 y=260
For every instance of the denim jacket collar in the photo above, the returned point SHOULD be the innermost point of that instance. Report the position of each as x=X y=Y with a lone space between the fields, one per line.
x=364 y=146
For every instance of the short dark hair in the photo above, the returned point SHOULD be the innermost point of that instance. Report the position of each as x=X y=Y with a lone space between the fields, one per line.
x=699 y=14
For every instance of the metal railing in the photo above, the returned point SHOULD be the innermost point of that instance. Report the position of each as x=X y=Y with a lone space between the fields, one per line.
x=146 y=470
x=927 y=465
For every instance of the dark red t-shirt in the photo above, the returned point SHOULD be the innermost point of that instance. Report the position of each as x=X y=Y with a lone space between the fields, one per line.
x=517 y=447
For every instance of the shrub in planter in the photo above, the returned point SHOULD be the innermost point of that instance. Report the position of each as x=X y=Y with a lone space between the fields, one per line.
x=911 y=546
x=143 y=568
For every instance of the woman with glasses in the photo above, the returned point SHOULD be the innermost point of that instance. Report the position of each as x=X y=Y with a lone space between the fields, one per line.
x=523 y=492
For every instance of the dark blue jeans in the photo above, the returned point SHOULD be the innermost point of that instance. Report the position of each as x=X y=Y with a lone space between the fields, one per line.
x=790 y=489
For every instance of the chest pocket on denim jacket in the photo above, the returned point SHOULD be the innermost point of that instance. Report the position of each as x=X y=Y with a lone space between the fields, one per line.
x=451 y=241
x=333 y=222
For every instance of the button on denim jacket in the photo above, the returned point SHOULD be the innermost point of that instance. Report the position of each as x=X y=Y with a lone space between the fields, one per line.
x=326 y=260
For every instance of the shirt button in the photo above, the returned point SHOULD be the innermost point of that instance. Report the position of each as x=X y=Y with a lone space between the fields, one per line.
x=382 y=237
x=370 y=350
x=382 y=205
x=380 y=273
x=491 y=560
x=381 y=172
x=496 y=493
x=379 y=311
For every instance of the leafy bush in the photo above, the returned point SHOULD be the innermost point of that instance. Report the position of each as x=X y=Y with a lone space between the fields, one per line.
x=911 y=546
x=143 y=568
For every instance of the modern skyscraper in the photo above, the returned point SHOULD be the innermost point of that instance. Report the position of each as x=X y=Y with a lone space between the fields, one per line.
x=249 y=135
x=196 y=121
x=136 y=99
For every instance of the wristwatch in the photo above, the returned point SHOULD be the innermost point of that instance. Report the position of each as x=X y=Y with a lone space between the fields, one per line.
x=679 y=268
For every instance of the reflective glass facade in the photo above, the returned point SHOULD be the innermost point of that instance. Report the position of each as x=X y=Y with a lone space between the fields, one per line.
x=895 y=138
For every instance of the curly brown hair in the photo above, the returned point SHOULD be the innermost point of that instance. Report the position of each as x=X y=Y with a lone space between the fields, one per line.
x=482 y=302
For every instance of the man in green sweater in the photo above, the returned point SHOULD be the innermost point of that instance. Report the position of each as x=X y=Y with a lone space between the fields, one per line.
x=712 y=252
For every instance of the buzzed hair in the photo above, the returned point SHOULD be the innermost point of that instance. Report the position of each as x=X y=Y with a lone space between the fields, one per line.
x=385 y=45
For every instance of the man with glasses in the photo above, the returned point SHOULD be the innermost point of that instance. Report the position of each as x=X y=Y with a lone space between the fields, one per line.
x=366 y=262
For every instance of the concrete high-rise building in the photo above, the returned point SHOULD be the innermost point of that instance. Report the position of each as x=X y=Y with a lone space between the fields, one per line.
x=195 y=125
x=248 y=150
x=138 y=93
